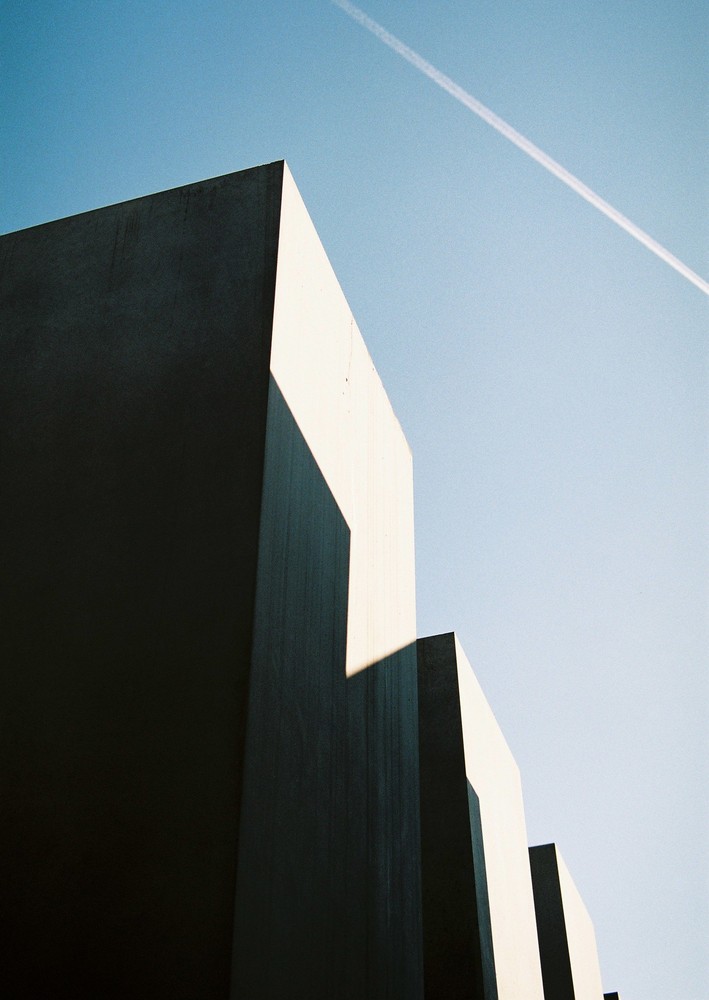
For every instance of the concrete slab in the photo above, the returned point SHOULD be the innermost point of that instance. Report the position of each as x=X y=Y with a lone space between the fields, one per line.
x=567 y=941
x=134 y=362
x=208 y=697
x=478 y=905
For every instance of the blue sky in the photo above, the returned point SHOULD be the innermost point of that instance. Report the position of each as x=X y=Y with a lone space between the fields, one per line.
x=549 y=372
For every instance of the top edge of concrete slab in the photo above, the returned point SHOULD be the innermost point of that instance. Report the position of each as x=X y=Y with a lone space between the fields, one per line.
x=150 y=194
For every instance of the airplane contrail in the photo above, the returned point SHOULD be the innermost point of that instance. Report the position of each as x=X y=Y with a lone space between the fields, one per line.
x=521 y=141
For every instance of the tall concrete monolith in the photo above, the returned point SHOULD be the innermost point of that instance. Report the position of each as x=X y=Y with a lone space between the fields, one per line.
x=567 y=942
x=208 y=691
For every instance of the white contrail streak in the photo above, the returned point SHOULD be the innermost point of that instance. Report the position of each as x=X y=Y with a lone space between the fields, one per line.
x=519 y=140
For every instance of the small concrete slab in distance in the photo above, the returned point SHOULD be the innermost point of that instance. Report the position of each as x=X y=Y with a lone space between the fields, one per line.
x=480 y=936
x=567 y=942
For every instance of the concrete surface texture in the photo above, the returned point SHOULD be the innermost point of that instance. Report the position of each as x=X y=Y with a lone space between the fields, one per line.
x=207 y=537
x=134 y=363
x=336 y=888
x=567 y=941
x=461 y=745
x=458 y=954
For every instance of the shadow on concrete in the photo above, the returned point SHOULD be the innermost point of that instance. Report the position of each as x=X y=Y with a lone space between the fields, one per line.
x=459 y=962
x=328 y=884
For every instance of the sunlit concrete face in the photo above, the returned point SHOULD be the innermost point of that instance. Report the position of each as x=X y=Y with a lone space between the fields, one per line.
x=321 y=365
x=461 y=744
x=567 y=941
x=207 y=538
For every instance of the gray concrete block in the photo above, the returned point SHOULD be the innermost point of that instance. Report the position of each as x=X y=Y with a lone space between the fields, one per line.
x=479 y=930
x=208 y=586
x=456 y=918
x=567 y=942
x=134 y=362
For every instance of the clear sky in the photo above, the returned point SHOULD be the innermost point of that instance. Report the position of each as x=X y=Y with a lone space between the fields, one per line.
x=550 y=373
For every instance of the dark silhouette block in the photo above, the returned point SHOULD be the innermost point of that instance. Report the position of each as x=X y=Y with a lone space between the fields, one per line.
x=480 y=938
x=459 y=962
x=198 y=802
x=567 y=942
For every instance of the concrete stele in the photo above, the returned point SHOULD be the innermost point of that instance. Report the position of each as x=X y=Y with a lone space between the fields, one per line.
x=567 y=940
x=135 y=390
x=149 y=462
x=493 y=774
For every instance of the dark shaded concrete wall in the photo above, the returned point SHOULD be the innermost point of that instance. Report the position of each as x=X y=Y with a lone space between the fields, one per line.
x=134 y=353
x=551 y=927
x=458 y=958
x=328 y=887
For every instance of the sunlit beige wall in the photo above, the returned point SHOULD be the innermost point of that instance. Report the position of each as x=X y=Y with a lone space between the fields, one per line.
x=581 y=938
x=320 y=362
x=493 y=773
